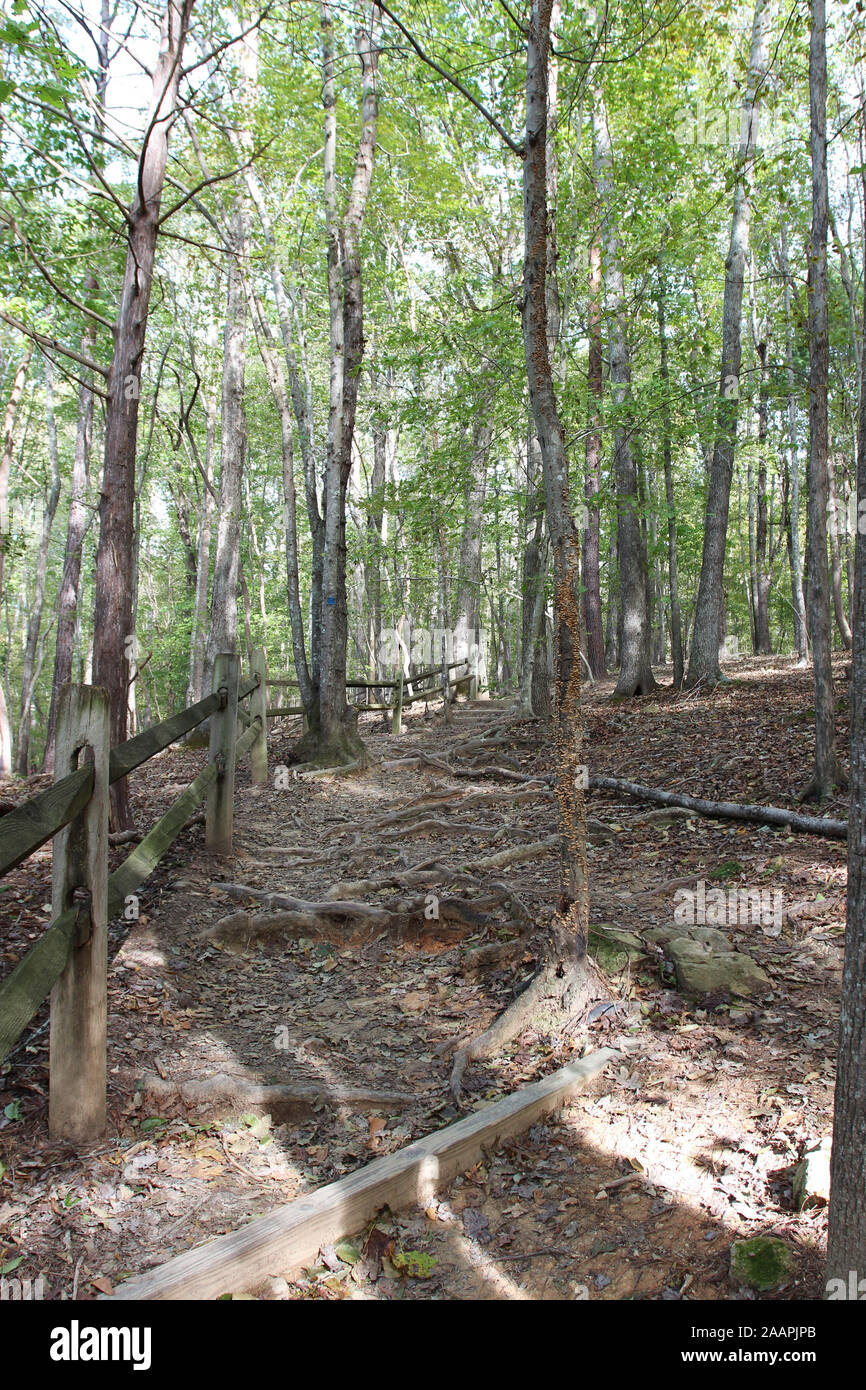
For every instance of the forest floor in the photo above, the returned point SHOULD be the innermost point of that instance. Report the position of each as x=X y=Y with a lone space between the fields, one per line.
x=635 y=1190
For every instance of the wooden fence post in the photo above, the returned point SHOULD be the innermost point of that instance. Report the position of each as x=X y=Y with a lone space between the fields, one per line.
x=397 y=716
x=473 y=671
x=79 y=1011
x=259 y=706
x=219 y=810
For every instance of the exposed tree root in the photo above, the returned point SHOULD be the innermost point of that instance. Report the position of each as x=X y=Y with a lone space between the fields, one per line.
x=814 y=791
x=223 y=1091
x=509 y=774
x=418 y=760
x=286 y=915
x=561 y=992
x=339 y=770
x=519 y=854
x=727 y=810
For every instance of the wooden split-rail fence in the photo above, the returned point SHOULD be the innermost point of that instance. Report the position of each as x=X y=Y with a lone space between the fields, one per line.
x=70 y=959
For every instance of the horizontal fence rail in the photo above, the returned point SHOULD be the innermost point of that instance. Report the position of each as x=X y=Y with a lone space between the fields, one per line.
x=69 y=960
x=60 y=961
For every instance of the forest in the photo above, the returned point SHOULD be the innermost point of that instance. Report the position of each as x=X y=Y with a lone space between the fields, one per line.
x=433 y=492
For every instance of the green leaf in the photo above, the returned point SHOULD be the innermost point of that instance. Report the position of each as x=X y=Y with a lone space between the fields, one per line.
x=13 y=1110
x=415 y=1264
x=11 y=1264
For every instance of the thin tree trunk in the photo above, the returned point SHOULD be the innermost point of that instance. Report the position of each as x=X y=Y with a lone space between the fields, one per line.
x=828 y=773
x=635 y=672
x=592 y=614
x=345 y=298
x=704 y=656
x=37 y=598
x=796 y=564
x=572 y=915
x=77 y=524
x=467 y=610
x=113 y=628
x=670 y=503
x=223 y=627
x=195 y=689
x=837 y=515
x=8 y=449
x=846 y=1239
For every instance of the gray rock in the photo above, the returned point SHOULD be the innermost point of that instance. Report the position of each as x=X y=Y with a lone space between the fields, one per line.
x=812 y=1174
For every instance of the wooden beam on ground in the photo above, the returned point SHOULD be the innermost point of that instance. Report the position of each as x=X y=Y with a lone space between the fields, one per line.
x=287 y=1239
x=35 y=821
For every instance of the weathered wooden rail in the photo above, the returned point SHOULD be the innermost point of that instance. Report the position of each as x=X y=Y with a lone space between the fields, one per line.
x=400 y=685
x=70 y=960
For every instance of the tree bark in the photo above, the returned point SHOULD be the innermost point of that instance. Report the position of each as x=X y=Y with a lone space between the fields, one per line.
x=635 y=672
x=195 y=687
x=828 y=773
x=572 y=915
x=223 y=627
x=338 y=735
x=846 y=1240
x=37 y=597
x=670 y=501
x=9 y=418
x=704 y=656
x=76 y=529
x=801 y=641
x=113 y=630
x=592 y=614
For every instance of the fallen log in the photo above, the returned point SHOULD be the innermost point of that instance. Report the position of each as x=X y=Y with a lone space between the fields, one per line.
x=726 y=810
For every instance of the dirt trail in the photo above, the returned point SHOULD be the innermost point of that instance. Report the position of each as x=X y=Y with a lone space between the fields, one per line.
x=635 y=1191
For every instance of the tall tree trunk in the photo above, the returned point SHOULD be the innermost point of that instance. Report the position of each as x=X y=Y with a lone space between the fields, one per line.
x=223 y=627
x=195 y=687
x=113 y=630
x=704 y=656
x=846 y=1240
x=670 y=502
x=285 y=299
x=37 y=598
x=76 y=528
x=345 y=297
x=566 y=980
x=467 y=609
x=375 y=541
x=592 y=614
x=572 y=914
x=8 y=449
x=838 y=527
x=763 y=575
x=828 y=773
x=801 y=641
x=635 y=672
